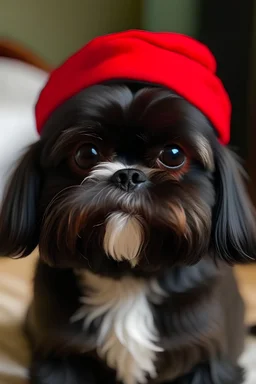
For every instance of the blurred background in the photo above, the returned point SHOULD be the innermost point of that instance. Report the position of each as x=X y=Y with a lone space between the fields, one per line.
x=54 y=29
x=43 y=33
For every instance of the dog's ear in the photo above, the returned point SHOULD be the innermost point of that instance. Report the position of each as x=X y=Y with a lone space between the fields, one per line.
x=234 y=225
x=19 y=225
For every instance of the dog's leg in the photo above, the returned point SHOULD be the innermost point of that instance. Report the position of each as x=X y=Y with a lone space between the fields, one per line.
x=216 y=372
x=69 y=370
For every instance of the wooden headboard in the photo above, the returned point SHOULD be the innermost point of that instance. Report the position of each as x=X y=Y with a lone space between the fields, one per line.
x=15 y=50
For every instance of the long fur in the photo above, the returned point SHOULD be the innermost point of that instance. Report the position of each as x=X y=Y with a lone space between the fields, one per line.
x=131 y=284
x=127 y=339
x=123 y=238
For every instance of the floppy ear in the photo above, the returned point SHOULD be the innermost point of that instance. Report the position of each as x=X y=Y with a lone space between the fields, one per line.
x=19 y=225
x=234 y=225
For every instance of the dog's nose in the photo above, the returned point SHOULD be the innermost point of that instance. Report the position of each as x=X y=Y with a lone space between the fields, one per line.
x=128 y=179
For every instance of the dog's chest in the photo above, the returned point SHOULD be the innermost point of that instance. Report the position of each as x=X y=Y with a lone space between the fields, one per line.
x=126 y=337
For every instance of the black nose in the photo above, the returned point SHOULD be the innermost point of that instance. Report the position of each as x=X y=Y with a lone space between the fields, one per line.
x=128 y=179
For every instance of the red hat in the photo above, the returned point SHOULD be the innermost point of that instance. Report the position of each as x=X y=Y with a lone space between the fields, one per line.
x=172 y=60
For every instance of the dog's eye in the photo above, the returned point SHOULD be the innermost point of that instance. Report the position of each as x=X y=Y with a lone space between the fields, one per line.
x=172 y=157
x=86 y=156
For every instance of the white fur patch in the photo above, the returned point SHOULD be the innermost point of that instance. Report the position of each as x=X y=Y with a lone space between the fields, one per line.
x=127 y=338
x=103 y=171
x=124 y=237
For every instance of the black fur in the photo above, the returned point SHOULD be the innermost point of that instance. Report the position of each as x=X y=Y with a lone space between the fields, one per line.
x=197 y=222
x=20 y=227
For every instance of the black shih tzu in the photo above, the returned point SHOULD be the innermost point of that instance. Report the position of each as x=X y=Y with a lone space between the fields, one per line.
x=139 y=213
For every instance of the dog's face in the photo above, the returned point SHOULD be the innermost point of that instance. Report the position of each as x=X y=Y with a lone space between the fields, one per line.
x=127 y=180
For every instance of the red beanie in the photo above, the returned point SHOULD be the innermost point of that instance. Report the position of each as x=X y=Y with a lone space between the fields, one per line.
x=172 y=60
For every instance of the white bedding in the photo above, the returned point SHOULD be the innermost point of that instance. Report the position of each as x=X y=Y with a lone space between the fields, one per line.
x=20 y=85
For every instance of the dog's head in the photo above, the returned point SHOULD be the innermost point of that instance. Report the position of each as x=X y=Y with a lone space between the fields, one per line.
x=127 y=179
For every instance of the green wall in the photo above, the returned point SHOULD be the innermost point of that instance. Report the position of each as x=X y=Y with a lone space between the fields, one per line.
x=56 y=28
x=171 y=15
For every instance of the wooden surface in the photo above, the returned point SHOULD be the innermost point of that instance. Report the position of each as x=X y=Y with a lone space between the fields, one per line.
x=14 y=50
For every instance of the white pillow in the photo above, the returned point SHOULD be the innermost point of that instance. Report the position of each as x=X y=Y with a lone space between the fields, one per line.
x=20 y=85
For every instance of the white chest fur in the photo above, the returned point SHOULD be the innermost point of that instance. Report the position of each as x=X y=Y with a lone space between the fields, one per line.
x=127 y=338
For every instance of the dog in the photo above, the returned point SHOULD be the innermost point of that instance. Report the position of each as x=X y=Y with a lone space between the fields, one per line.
x=139 y=213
